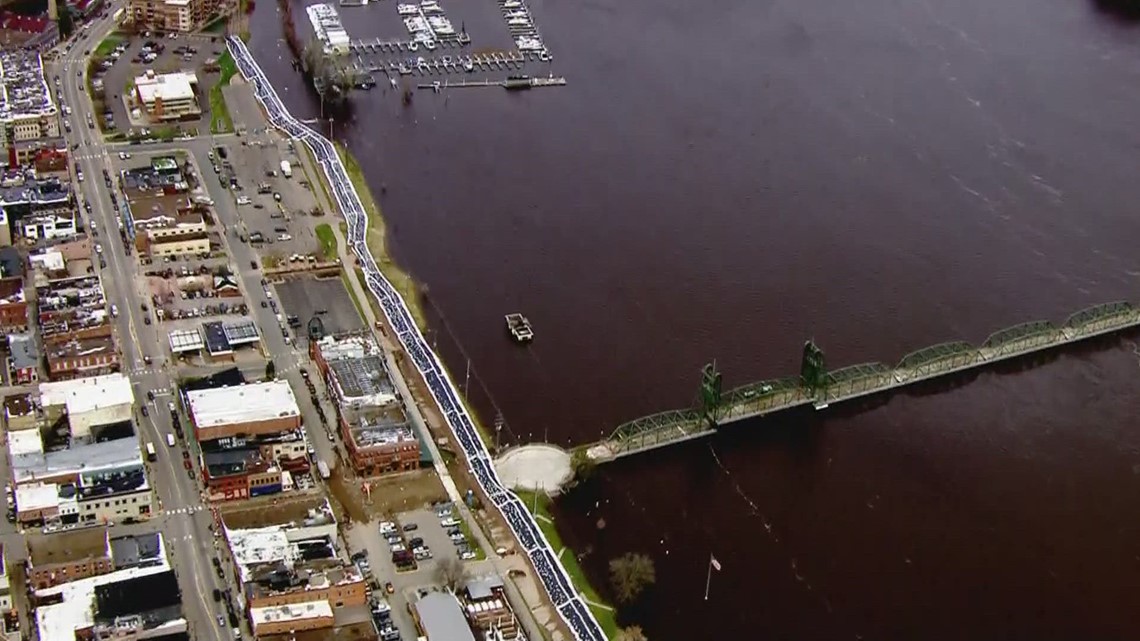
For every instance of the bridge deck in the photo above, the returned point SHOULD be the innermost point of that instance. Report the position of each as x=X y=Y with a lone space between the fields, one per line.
x=768 y=397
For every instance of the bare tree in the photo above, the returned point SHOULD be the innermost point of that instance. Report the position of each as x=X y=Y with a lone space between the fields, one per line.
x=632 y=633
x=451 y=573
x=630 y=574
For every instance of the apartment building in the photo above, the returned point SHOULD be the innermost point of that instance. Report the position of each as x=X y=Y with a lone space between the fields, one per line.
x=180 y=16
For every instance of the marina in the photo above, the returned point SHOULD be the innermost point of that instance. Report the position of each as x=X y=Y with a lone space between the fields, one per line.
x=435 y=47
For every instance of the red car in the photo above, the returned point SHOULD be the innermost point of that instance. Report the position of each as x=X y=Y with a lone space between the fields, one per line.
x=187 y=464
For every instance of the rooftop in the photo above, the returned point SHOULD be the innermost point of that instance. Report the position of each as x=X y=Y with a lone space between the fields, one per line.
x=137 y=549
x=442 y=619
x=296 y=612
x=242 y=403
x=36 y=496
x=484 y=587
x=25 y=90
x=18 y=405
x=22 y=187
x=378 y=427
x=25 y=443
x=185 y=340
x=91 y=460
x=11 y=262
x=169 y=87
x=25 y=351
x=76 y=607
x=67 y=547
x=216 y=340
x=88 y=394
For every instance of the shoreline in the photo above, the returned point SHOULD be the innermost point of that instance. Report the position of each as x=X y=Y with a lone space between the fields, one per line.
x=604 y=612
x=377 y=239
x=410 y=289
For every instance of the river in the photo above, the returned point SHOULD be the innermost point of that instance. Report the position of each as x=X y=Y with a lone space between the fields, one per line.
x=725 y=181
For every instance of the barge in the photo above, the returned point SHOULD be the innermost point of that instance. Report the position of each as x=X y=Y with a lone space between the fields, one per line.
x=520 y=328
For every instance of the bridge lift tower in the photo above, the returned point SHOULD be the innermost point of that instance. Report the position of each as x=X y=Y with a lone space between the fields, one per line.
x=710 y=395
x=813 y=367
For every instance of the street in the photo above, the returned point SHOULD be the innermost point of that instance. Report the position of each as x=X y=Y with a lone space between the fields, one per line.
x=186 y=525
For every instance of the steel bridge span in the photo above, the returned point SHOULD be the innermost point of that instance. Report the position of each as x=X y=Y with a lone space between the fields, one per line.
x=820 y=388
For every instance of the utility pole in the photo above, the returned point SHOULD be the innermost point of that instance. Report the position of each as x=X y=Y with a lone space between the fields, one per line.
x=467 y=380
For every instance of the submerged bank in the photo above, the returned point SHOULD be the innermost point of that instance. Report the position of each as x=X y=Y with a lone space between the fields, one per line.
x=539 y=505
x=408 y=288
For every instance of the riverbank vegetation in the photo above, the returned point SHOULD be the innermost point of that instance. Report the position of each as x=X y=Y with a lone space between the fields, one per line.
x=220 y=120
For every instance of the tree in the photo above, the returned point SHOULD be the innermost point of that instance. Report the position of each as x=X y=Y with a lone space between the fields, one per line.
x=66 y=22
x=630 y=574
x=632 y=633
x=270 y=371
x=451 y=573
x=582 y=465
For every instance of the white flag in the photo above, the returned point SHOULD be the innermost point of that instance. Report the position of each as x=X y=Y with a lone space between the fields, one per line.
x=714 y=563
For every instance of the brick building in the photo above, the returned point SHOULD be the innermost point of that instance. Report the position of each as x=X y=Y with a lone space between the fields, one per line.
x=13 y=305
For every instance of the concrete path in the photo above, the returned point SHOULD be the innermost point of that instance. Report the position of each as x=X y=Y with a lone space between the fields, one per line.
x=536 y=466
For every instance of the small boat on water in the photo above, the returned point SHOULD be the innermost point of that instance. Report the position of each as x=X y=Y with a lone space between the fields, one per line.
x=520 y=328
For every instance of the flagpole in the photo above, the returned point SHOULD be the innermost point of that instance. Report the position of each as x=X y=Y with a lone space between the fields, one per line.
x=708 y=578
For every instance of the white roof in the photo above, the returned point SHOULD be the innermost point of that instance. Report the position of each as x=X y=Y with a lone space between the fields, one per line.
x=259 y=545
x=77 y=609
x=88 y=394
x=50 y=259
x=36 y=496
x=23 y=442
x=242 y=403
x=166 y=86
x=186 y=340
x=294 y=612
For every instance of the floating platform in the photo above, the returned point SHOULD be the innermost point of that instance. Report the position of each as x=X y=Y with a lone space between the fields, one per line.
x=514 y=83
x=520 y=328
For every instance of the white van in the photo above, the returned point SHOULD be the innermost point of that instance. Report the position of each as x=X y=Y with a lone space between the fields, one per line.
x=170 y=440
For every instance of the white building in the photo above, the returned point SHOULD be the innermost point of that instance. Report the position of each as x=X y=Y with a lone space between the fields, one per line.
x=90 y=402
x=328 y=27
x=49 y=226
x=251 y=409
x=168 y=96
x=72 y=607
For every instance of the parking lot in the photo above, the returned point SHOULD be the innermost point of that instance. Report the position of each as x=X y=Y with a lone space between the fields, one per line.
x=325 y=298
x=274 y=209
x=371 y=550
x=118 y=71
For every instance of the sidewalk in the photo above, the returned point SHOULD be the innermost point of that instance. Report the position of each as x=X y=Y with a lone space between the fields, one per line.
x=523 y=590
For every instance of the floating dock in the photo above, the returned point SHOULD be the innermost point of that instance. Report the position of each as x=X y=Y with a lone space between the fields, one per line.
x=510 y=84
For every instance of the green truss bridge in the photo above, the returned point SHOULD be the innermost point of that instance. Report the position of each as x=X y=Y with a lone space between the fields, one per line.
x=819 y=387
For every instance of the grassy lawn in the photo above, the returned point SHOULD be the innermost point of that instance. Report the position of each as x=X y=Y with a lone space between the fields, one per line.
x=107 y=47
x=606 y=617
x=220 y=120
x=327 y=237
x=465 y=528
x=377 y=243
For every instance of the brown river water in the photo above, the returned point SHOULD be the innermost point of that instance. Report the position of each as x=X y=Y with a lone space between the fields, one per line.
x=724 y=180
